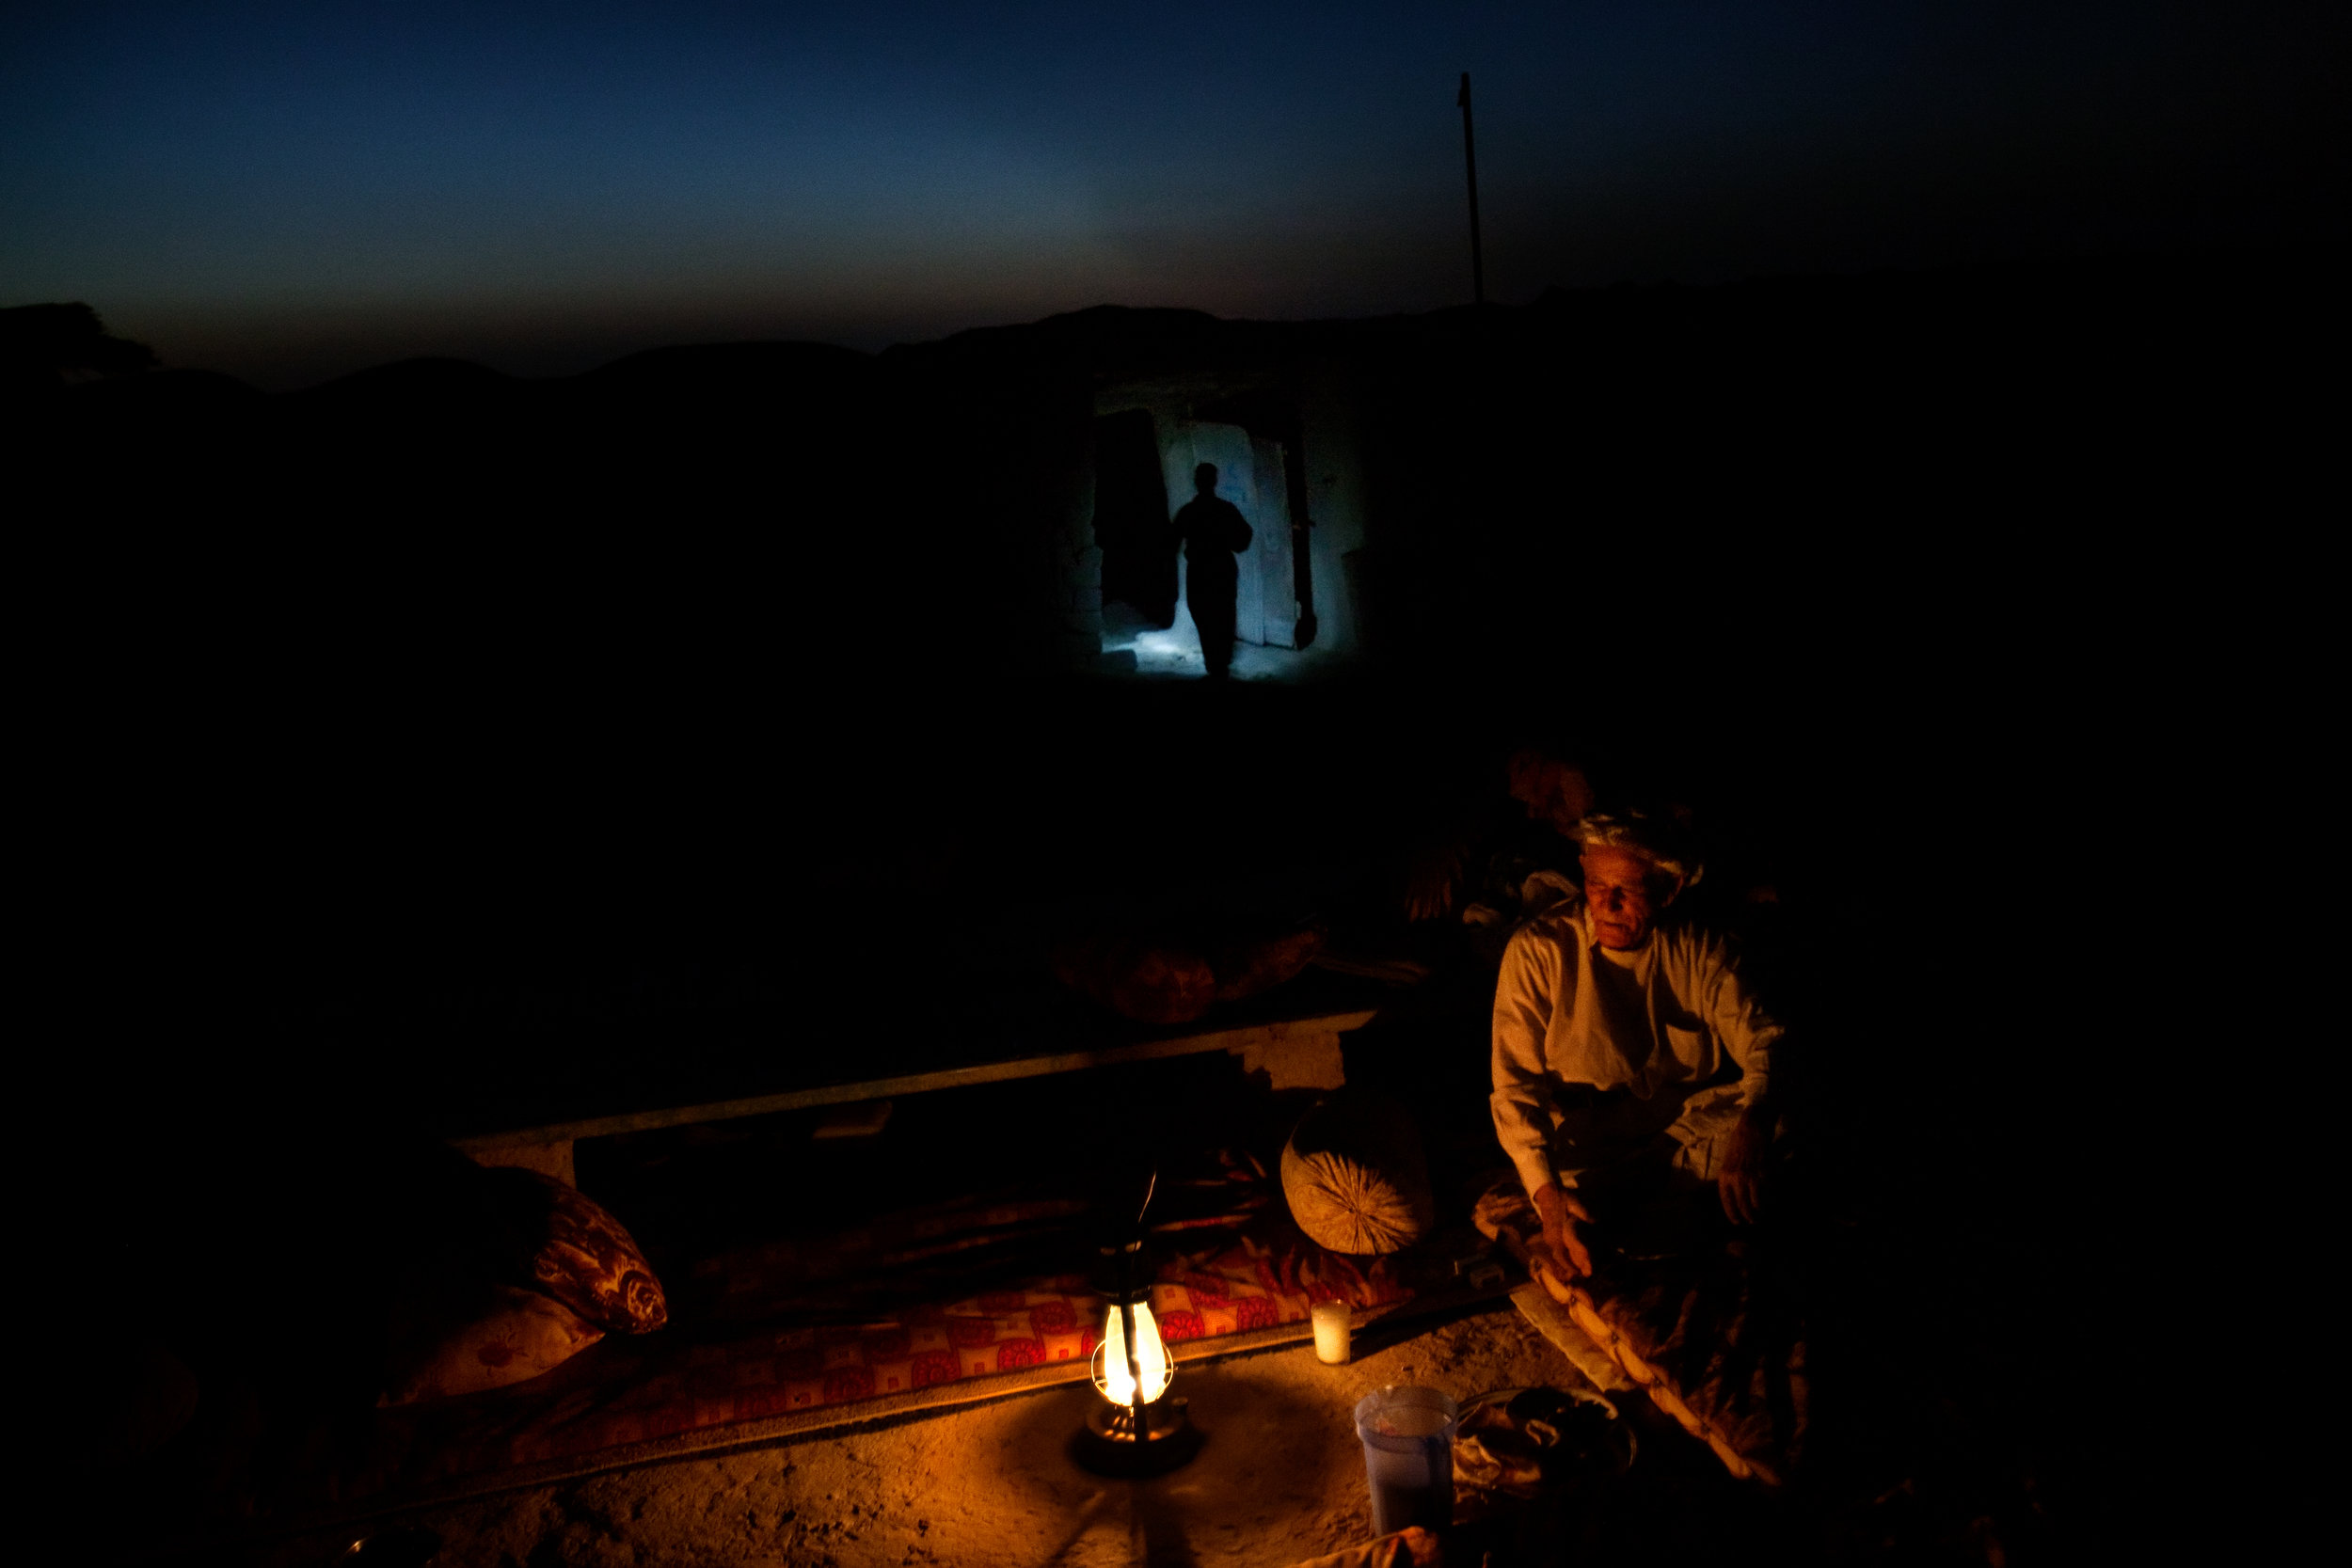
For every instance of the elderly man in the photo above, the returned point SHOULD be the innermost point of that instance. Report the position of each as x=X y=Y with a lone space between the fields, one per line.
x=1627 y=1052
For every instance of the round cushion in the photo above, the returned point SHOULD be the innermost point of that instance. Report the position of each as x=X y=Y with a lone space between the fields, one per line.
x=1354 y=1178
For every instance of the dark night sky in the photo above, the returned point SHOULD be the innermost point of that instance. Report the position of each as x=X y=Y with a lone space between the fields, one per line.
x=293 y=190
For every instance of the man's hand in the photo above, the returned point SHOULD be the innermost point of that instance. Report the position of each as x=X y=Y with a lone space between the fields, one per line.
x=1561 y=1212
x=1741 y=1181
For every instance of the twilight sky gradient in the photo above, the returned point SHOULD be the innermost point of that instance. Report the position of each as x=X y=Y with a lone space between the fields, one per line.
x=292 y=190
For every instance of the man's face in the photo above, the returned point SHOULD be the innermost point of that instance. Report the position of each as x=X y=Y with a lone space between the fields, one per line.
x=1624 y=894
x=1204 y=478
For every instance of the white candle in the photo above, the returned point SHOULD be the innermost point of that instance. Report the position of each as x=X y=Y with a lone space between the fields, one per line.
x=1330 y=1318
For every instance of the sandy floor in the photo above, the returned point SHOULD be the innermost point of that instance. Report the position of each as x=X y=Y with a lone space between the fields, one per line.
x=1175 y=652
x=1280 y=1478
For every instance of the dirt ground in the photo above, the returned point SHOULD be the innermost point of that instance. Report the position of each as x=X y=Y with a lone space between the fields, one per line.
x=1280 y=1478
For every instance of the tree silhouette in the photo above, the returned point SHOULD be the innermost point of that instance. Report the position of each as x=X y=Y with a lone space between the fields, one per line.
x=42 y=344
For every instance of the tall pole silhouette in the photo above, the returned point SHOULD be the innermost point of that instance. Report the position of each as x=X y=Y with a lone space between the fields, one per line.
x=1470 y=158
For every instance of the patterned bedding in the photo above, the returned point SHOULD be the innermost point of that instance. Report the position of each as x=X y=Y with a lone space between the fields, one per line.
x=701 y=1379
x=1256 y=1281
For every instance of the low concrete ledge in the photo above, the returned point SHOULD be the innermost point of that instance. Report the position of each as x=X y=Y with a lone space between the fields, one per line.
x=1294 y=1054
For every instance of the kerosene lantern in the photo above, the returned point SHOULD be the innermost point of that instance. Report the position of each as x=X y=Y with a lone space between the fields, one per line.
x=1133 y=1432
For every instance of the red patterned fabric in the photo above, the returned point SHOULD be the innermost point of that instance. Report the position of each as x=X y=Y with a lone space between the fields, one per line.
x=1256 y=1312
x=628 y=1390
x=850 y=1383
x=965 y=1331
x=1179 y=1325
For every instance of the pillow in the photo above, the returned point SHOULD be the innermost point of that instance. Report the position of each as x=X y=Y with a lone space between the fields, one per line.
x=557 y=1241
x=1148 y=982
x=498 y=1336
x=1172 y=982
x=1246 y=968
x=1354 y=1176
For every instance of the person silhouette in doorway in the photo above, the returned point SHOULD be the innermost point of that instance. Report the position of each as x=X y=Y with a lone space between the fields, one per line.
x=1213 y=531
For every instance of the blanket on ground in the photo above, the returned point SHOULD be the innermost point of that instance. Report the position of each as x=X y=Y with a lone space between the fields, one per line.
x=1692 y=1319
x=626 y=1392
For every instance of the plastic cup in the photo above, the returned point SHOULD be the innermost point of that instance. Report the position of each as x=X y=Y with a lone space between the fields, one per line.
x=1407 y=1436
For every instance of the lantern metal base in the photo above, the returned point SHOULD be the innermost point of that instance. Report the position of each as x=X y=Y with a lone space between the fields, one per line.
x=1106 y=1444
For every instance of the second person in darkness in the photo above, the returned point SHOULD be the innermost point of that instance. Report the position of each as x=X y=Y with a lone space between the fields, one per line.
x=1213 y=531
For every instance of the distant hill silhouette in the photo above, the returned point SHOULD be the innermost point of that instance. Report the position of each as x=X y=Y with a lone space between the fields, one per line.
x=413 y=382
x=183 y=393
x=736 y=513
x=728 y=367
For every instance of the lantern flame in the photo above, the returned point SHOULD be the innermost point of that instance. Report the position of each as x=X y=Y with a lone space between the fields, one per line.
x=1110 y=1359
